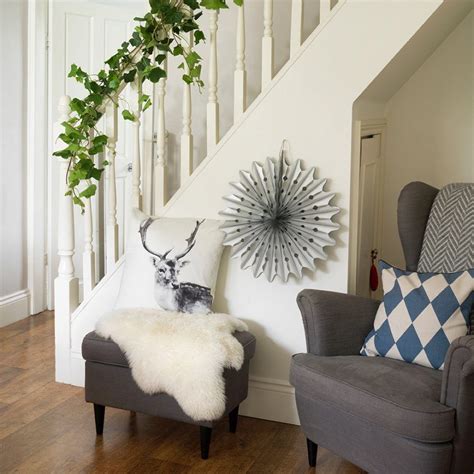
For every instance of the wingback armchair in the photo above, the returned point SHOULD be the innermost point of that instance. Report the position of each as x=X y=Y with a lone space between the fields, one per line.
x=385 y=415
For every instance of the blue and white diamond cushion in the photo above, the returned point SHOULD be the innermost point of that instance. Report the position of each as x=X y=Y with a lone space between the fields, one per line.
x=420 y=315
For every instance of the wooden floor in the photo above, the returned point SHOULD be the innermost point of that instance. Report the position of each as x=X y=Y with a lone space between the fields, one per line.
x=47 y=427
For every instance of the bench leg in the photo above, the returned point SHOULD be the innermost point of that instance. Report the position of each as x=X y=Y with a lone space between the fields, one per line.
x=99 y=413
x=312 y=452
x=233 y=418
x=205 y=441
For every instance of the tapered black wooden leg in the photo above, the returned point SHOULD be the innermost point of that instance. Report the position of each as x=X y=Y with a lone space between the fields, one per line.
x=205 y=441
x=312 y=452
x=233 y=418
x=99 y=413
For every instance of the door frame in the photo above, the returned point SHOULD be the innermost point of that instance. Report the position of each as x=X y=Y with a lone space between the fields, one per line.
x=361 y=129
x=37 y=134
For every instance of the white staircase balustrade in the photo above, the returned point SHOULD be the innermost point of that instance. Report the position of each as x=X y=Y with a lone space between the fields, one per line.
x=66 y=285
x=159 y=188
x=136 y=163
x=88 y=255
x=186 y=164
x=267 y=43
x=324 y=10
x=111 y=118
x=296 y=26
x=240 y=74
x=212 y=101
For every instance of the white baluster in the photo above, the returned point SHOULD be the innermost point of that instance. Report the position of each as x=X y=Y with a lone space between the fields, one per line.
x=212 y=102
x=186 y=134
x=88 y=256
x=240 y=74
x=296 y=26
x=136 y=162
x=66 y=286
x=267 y=43
x=324 y=10
x=112 y=226
x=160 y=166
x=148 y=161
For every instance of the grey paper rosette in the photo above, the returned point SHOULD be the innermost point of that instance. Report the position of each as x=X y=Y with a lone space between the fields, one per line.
x=279 y=218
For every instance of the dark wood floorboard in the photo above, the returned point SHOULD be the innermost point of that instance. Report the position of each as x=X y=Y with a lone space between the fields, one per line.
x=47 y=427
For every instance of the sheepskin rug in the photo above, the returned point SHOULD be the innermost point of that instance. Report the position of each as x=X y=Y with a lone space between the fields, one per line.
x=183 y=355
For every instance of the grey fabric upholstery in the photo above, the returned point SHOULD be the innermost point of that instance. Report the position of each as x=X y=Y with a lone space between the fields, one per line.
x=458 y=392
x=325 y=335
x=109 y=381
x=398 y=397
x=384 y=415
x=363 y=443
x=414 y=205
x=114 y=386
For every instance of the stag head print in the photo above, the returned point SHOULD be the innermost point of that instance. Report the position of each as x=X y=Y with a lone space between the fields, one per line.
x=170 y=293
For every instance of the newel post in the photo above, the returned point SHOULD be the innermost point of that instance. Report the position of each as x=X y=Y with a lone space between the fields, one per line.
x=66 y=286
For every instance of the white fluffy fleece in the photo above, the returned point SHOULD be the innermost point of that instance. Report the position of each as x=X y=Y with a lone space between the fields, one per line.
x=183 y=355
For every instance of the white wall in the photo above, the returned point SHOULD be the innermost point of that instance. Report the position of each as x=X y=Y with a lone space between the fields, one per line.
x=13 y=56
x=430 y=128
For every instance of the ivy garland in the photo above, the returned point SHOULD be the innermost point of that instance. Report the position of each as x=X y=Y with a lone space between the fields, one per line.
x=159 y=32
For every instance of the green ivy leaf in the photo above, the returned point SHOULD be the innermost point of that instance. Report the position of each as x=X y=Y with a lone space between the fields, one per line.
x=100 y=140
x=192 y=59
x=89 y=191
x=130 y=76
x=96 y=173
x=213 y=4
x=156 y=74
x=73 y=71
x=199 y=36
x=95 y=149
x=193 y=4
x=127 y=115
x=78 y=201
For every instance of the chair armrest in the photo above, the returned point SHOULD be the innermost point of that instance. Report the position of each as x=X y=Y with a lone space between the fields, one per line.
x=335 y=323
x=458 y=374
x=457 y=391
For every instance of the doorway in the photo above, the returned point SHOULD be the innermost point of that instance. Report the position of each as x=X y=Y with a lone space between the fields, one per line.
x=366 y=212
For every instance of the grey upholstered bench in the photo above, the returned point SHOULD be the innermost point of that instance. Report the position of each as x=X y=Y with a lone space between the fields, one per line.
x=109 y=382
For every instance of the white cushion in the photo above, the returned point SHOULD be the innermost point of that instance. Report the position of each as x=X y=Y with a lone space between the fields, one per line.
x=163 y=281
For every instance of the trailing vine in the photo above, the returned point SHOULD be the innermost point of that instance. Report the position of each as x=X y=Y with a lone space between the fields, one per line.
x=161 y=31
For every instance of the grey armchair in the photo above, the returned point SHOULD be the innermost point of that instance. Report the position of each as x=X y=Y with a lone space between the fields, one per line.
x=384 y=415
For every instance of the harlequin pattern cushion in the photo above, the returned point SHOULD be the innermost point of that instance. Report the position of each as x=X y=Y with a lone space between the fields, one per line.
x=420 y=315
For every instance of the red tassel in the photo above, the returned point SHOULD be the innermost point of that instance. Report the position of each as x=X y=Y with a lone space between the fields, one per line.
x=374 y=278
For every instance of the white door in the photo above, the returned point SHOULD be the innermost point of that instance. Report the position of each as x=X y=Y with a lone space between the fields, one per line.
x=369 y=205
x=86 y=33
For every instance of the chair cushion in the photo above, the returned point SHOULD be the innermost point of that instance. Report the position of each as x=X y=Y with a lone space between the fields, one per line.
x=421 y=315
x=98 y=349
x=393 y=395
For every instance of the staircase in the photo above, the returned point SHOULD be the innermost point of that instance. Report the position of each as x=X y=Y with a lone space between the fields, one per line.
x=309 y=102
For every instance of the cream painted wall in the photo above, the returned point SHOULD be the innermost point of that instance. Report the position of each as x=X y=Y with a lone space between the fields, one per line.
x=430 y=128
x=13 y=51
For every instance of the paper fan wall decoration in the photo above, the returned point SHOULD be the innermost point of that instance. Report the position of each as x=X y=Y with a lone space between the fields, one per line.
x=279 y=218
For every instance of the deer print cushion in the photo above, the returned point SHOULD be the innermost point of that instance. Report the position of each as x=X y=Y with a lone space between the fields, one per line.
x=171 y=264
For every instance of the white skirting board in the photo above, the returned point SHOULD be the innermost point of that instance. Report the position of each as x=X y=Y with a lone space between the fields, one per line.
x=268 y=399
x=14 y=307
